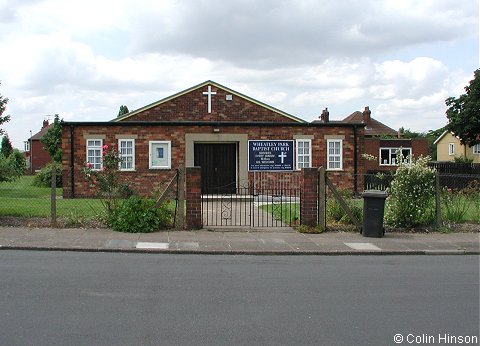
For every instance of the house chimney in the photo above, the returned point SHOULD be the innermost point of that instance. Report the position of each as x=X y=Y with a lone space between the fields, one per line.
x=325 y=116
x=366 y=115
x=45 y=123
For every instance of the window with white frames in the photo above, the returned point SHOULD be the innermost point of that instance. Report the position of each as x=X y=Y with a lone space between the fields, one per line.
x=160 y=153
x=476 y=149
x=388 y=156
x=126 y=149
x=304 y=153
x=26 y=146
x=334 y=154
x=451 y=148
x=94 y=153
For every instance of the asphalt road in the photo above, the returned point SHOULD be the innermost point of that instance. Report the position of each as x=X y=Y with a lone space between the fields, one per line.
x=56 y=298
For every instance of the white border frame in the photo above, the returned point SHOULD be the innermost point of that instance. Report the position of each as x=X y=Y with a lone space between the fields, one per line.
x=169 y=153
x=133 y=154
x=309 y=155
x=341 y=154
x=101 y=152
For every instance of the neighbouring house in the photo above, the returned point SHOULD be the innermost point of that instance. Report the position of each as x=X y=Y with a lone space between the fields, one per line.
x=383 y=143
x=235 y=139
x=36 y=155
x=449 y=147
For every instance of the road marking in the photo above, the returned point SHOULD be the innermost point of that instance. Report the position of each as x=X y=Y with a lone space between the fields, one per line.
x=146 y=245
x=363 y=246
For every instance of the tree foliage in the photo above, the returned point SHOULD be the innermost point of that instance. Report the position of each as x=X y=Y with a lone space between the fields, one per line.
x=12 y=167
x=463 y=113
x=52 y=140
x=7 y=148
x=123 y=110
x=3 y=118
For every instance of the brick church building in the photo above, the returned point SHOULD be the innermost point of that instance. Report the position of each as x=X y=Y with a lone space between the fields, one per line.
x=233 y=137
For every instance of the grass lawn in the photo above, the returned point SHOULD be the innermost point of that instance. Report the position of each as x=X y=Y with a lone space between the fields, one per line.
x=21 y=198
x=289 y=213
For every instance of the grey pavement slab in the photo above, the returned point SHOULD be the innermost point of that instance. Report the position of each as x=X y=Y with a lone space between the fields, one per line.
x=254 y=242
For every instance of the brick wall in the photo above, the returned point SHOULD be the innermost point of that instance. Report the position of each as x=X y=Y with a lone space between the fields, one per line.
x=144 y=180
x=40 y=156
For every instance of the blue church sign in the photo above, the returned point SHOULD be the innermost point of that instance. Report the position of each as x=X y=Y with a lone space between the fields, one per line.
x=270 y=155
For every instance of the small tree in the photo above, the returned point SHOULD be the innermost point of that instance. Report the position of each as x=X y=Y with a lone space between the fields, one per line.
x=123 y=110
x=7 y=148
x=52 y=140
x=411 y=193
x=463 y=113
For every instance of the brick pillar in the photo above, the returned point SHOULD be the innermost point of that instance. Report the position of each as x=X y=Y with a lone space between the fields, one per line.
x=308 y=197
x=193 y=194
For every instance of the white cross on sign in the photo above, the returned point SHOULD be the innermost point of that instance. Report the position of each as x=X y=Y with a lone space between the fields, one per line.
x=282 y=156
x=209 y=93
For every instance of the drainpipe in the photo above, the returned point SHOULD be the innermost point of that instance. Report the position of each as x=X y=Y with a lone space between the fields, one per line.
x=355 y=159
x=72 y=166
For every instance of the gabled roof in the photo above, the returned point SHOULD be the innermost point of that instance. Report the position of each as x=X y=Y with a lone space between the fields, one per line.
x=201 y=85
x=374 y=128
x=41 y=133
x=440 y=137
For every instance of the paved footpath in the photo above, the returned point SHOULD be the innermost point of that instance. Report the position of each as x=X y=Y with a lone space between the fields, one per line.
x=238 y=242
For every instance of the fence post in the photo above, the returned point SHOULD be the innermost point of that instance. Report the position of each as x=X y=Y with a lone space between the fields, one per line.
x=438 y=207
x=322 y=210
x=53 y=197
x=181 y=198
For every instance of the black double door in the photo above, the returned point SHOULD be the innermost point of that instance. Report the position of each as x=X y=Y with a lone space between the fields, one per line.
x=219 y=166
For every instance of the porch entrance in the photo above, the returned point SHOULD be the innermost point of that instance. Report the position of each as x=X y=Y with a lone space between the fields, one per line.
x=219 y=166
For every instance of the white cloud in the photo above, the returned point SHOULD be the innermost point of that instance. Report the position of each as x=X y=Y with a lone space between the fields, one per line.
x=83 y=60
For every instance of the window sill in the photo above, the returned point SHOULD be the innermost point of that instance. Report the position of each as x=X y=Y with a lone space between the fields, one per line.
x=159 y=167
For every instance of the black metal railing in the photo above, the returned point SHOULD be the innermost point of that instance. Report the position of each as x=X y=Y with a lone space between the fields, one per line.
x=247 y=208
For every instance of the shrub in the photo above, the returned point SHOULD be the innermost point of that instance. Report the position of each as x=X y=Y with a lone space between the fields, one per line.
x=13 y=166
x=411 y=194
x=44 y=177
x=138 y=215
x=335 y=212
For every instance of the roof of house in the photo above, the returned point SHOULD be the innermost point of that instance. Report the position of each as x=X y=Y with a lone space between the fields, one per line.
x=41 y=133
x=201 y=85
x=374 y=128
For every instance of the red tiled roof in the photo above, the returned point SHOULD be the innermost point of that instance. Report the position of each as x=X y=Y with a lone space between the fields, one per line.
x=374 y=128
x=41 y=133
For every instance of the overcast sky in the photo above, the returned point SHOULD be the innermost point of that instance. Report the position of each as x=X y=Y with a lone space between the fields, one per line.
x=83 y=59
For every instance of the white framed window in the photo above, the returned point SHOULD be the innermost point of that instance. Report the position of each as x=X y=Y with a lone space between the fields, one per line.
x=476 y=149
x=94 y=153
x=304 y=153
x=334 y=154
x=160 y=154
x=451 y=148
x=126 y=149
x=388 y=156
x=26 y=146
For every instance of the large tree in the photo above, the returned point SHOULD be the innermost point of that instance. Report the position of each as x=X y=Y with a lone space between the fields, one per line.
x=463 y=113
x=52 y=140
x=3 y=106
x=123 y=110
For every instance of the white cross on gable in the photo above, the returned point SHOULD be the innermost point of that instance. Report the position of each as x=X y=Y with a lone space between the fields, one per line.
x=209 y=93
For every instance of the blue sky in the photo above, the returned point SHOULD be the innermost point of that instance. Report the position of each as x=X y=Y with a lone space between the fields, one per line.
x=83 y=60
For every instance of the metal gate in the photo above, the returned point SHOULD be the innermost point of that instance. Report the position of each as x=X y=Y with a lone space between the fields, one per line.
x=250 y=206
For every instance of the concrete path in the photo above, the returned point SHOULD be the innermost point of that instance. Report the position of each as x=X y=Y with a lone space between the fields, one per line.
x=238 y=242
